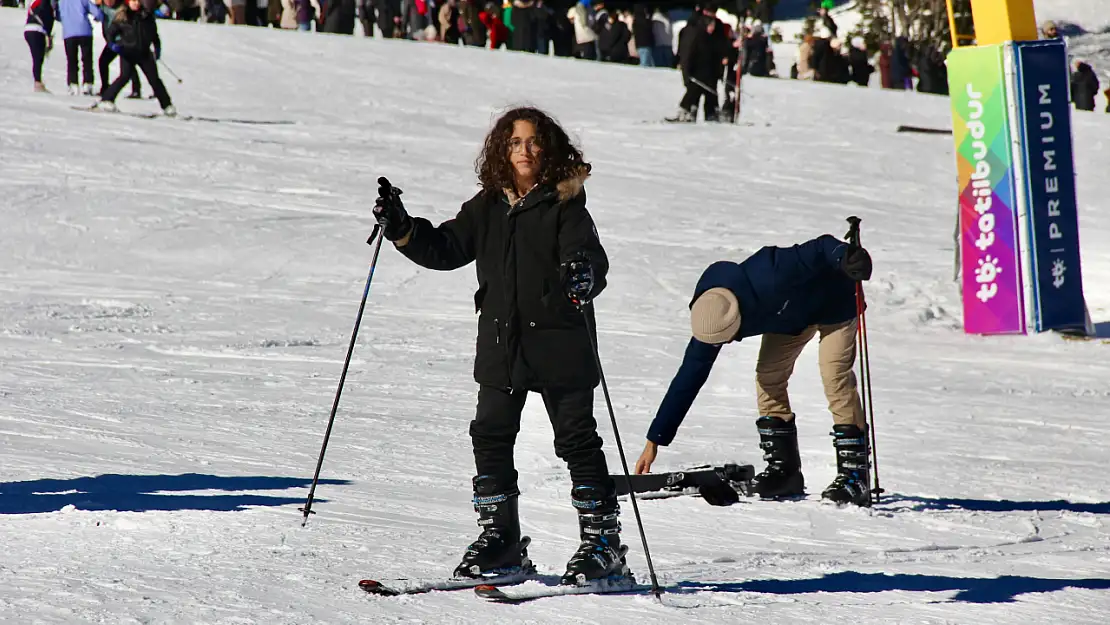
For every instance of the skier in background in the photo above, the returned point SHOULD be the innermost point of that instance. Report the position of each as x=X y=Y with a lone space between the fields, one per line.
x=1084 y=87
x=131 y=35
x=538 y=259
x=702 y=52
x=38 y=33
x=787 y=295
x=109 y=8
x=77 y=32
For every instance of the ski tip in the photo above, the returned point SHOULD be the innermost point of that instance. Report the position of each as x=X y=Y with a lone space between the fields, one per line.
x=375 y=587
x=487 y=591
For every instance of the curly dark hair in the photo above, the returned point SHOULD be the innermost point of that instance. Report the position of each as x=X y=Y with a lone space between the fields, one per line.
x=559 y=161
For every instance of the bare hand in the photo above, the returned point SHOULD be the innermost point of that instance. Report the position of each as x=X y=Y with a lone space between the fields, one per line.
x=647 y=457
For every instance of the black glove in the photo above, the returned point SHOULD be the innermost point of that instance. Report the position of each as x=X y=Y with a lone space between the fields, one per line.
x=577 y=275
x=856 y=263
x=718 y=494
x=390 y=212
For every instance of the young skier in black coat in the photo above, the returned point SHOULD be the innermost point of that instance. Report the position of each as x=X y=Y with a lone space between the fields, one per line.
x=131 y=35
x=538 y=259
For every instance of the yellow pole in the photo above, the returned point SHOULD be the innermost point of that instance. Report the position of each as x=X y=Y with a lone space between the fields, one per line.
x=998 y=21
x=952 y=25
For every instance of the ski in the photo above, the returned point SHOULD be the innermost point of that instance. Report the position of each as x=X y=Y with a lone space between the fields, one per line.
x=736 y=476
x=186 y=118
x=924 y=130
x=671 y=121
x=397 y=587
x=530 y=591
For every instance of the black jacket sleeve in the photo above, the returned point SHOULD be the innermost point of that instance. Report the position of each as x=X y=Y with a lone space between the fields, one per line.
x=577 y=233
x=446 y=247
x=111 y=35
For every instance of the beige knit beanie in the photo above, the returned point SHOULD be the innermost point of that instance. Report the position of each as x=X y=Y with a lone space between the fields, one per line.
x=715 y=316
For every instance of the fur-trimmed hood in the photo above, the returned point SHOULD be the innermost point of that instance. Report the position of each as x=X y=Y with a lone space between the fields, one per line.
x=565 y=189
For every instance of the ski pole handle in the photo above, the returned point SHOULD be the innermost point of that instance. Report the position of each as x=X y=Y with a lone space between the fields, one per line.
x=853 y=230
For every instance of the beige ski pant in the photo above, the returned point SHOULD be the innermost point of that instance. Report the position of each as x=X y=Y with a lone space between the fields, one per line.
x=836 y=358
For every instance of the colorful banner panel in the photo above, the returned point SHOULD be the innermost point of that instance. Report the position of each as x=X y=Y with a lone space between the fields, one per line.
x=989 y=251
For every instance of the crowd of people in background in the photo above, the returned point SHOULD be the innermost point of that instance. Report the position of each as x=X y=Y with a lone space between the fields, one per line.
x=130 y=34
x=584 y=29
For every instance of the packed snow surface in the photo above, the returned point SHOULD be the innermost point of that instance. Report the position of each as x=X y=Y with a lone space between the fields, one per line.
x=176 y=300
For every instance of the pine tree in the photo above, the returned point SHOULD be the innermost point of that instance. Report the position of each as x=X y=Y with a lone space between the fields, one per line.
x=924 y=23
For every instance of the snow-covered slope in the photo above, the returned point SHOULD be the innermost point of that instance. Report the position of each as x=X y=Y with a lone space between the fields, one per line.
x=176 y=300
x=1090 y=15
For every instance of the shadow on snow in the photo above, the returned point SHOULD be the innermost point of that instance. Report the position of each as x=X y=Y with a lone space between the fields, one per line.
x=139 y=493
x=971 y=589
x=905 y=502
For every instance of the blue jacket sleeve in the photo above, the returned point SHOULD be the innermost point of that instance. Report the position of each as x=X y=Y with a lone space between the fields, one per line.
x=691 y=376
x=803 y=262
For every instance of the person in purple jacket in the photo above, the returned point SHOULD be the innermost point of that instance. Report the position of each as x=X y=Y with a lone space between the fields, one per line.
x=787 y=295
x=77 y=32
x=39 y=36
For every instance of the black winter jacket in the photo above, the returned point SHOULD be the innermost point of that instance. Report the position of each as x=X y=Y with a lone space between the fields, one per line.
x=529 y=335
x=755 y=56
x=613 y=40
x=340 y=17
x=1084 y=87
x=703 y=57
x=136 y=33
x=642 y=31
x=524 y=26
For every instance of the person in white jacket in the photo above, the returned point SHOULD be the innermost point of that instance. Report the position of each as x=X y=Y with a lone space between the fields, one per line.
x=585 y=39
x=295 y=14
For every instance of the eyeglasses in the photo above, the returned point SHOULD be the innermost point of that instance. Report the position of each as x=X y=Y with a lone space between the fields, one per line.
x=532 y=145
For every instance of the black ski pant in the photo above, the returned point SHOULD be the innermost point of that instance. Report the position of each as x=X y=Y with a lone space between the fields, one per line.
x=694 y=93
x=586 y=50
x=127 y=70
x=84 y=45
x=105 y=62
x=37 y=43
x=368 y=16
x=494 y=429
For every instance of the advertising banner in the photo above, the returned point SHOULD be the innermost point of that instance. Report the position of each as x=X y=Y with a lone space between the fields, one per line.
x=993 y=299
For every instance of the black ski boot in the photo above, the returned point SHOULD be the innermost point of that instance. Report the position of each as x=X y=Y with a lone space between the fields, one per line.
x=500 y=548
x=783 y=475
x=601 y=554
x=853 y=466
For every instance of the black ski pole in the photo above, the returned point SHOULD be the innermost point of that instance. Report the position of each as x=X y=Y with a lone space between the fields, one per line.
x=867 y=400
x=591 y=328
x=168 y=69
x=375 y=239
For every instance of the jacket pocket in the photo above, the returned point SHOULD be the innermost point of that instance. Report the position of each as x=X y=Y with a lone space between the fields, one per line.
x=491 y=363
x=556 y=310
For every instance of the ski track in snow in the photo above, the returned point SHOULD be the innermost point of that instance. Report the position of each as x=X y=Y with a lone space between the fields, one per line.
x=172 y=333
